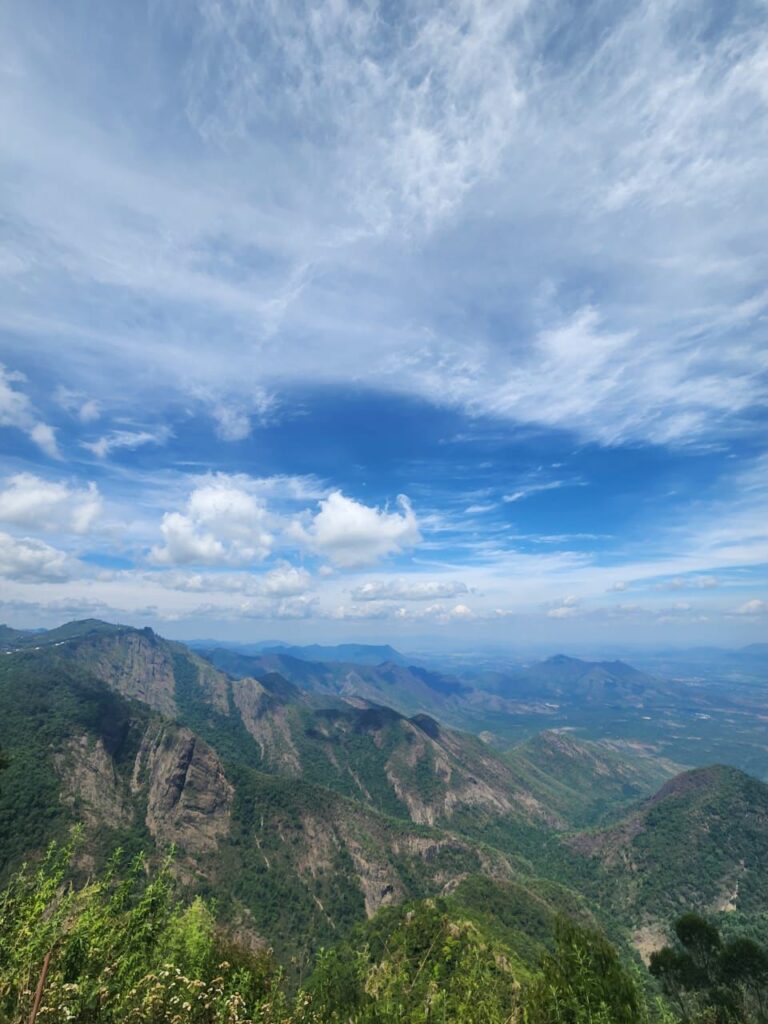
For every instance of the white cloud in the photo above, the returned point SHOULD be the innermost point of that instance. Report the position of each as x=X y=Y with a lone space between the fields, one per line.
x=408 y=590
x=581 y=375
x=33 y=503
x=232 y=423
x=564 y=609
x=461 y=612
x=281 y=582
x=436 y=612
x=44 y=437
x=474 y=510
x=706 y=582
x=526 y=491
x=31 y=561
x=286 y=581
x=129 y=439
x=439 y=83
x=352 y=534
x=753 y=607
x=613 y=257
x=16 y=410
x=619 y=586
x=223 y=524
x=233 y=414
x=86 y=410
x=296 y=607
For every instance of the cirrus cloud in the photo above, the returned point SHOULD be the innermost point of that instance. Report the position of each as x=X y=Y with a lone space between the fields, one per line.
x=16 y=410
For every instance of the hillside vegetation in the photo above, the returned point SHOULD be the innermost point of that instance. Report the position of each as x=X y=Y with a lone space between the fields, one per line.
x=124 y=947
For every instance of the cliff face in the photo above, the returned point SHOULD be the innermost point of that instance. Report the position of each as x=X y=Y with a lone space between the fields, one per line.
x=266 y=720
x=90 y=783
x=189 y=799
x=413 y=768
x=177 y=787
x=135 y=663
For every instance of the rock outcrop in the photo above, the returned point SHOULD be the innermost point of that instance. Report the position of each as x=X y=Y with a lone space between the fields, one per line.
x=189 y=798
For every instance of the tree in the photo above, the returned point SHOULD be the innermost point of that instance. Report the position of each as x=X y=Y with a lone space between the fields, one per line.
x=583 y=982
x=712 y=980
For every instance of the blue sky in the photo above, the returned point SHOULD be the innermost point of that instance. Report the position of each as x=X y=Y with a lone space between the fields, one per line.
x=395 y=321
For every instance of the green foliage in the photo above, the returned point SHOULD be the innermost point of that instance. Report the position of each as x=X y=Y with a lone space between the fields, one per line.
x=419 y=965
x=710 y=980
x=124 y=947
x=44 y=702
x=583 y=982
x=121 y=948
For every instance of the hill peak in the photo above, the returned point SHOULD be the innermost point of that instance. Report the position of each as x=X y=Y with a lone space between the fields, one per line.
x=562 y=659
x=700 y=780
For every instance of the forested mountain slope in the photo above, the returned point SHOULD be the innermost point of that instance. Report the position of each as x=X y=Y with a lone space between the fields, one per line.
x=700 y=842
x=305 y=812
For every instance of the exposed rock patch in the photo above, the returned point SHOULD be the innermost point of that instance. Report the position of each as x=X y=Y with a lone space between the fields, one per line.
x=136 y=664
x=265 y=719
x=189 y=799
x=90 y=783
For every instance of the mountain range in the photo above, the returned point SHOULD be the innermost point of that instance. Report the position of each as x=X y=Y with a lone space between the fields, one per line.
x=305 y=801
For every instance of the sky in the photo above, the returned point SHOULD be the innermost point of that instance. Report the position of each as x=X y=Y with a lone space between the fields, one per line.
x=389 y=321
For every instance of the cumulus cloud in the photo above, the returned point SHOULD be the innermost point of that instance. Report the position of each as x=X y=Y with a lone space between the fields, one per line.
x=286 y=581
x=462 y=612
x=565 y=609
x=437 y=612
x=28 y=501
x=408 y=590
x=351 y=534
x=16 y=410
x=129 y=439
x=223 y=524
x=296 y=607
x=31 y=561
x=753 y=607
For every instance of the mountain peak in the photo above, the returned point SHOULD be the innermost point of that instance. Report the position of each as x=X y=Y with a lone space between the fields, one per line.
x=562 y=659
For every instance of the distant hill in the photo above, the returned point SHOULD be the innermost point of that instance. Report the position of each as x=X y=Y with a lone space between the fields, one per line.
x=564 y=678
x=710 y=664
x=18 y=638
x=354 y=654
x=410 y=689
